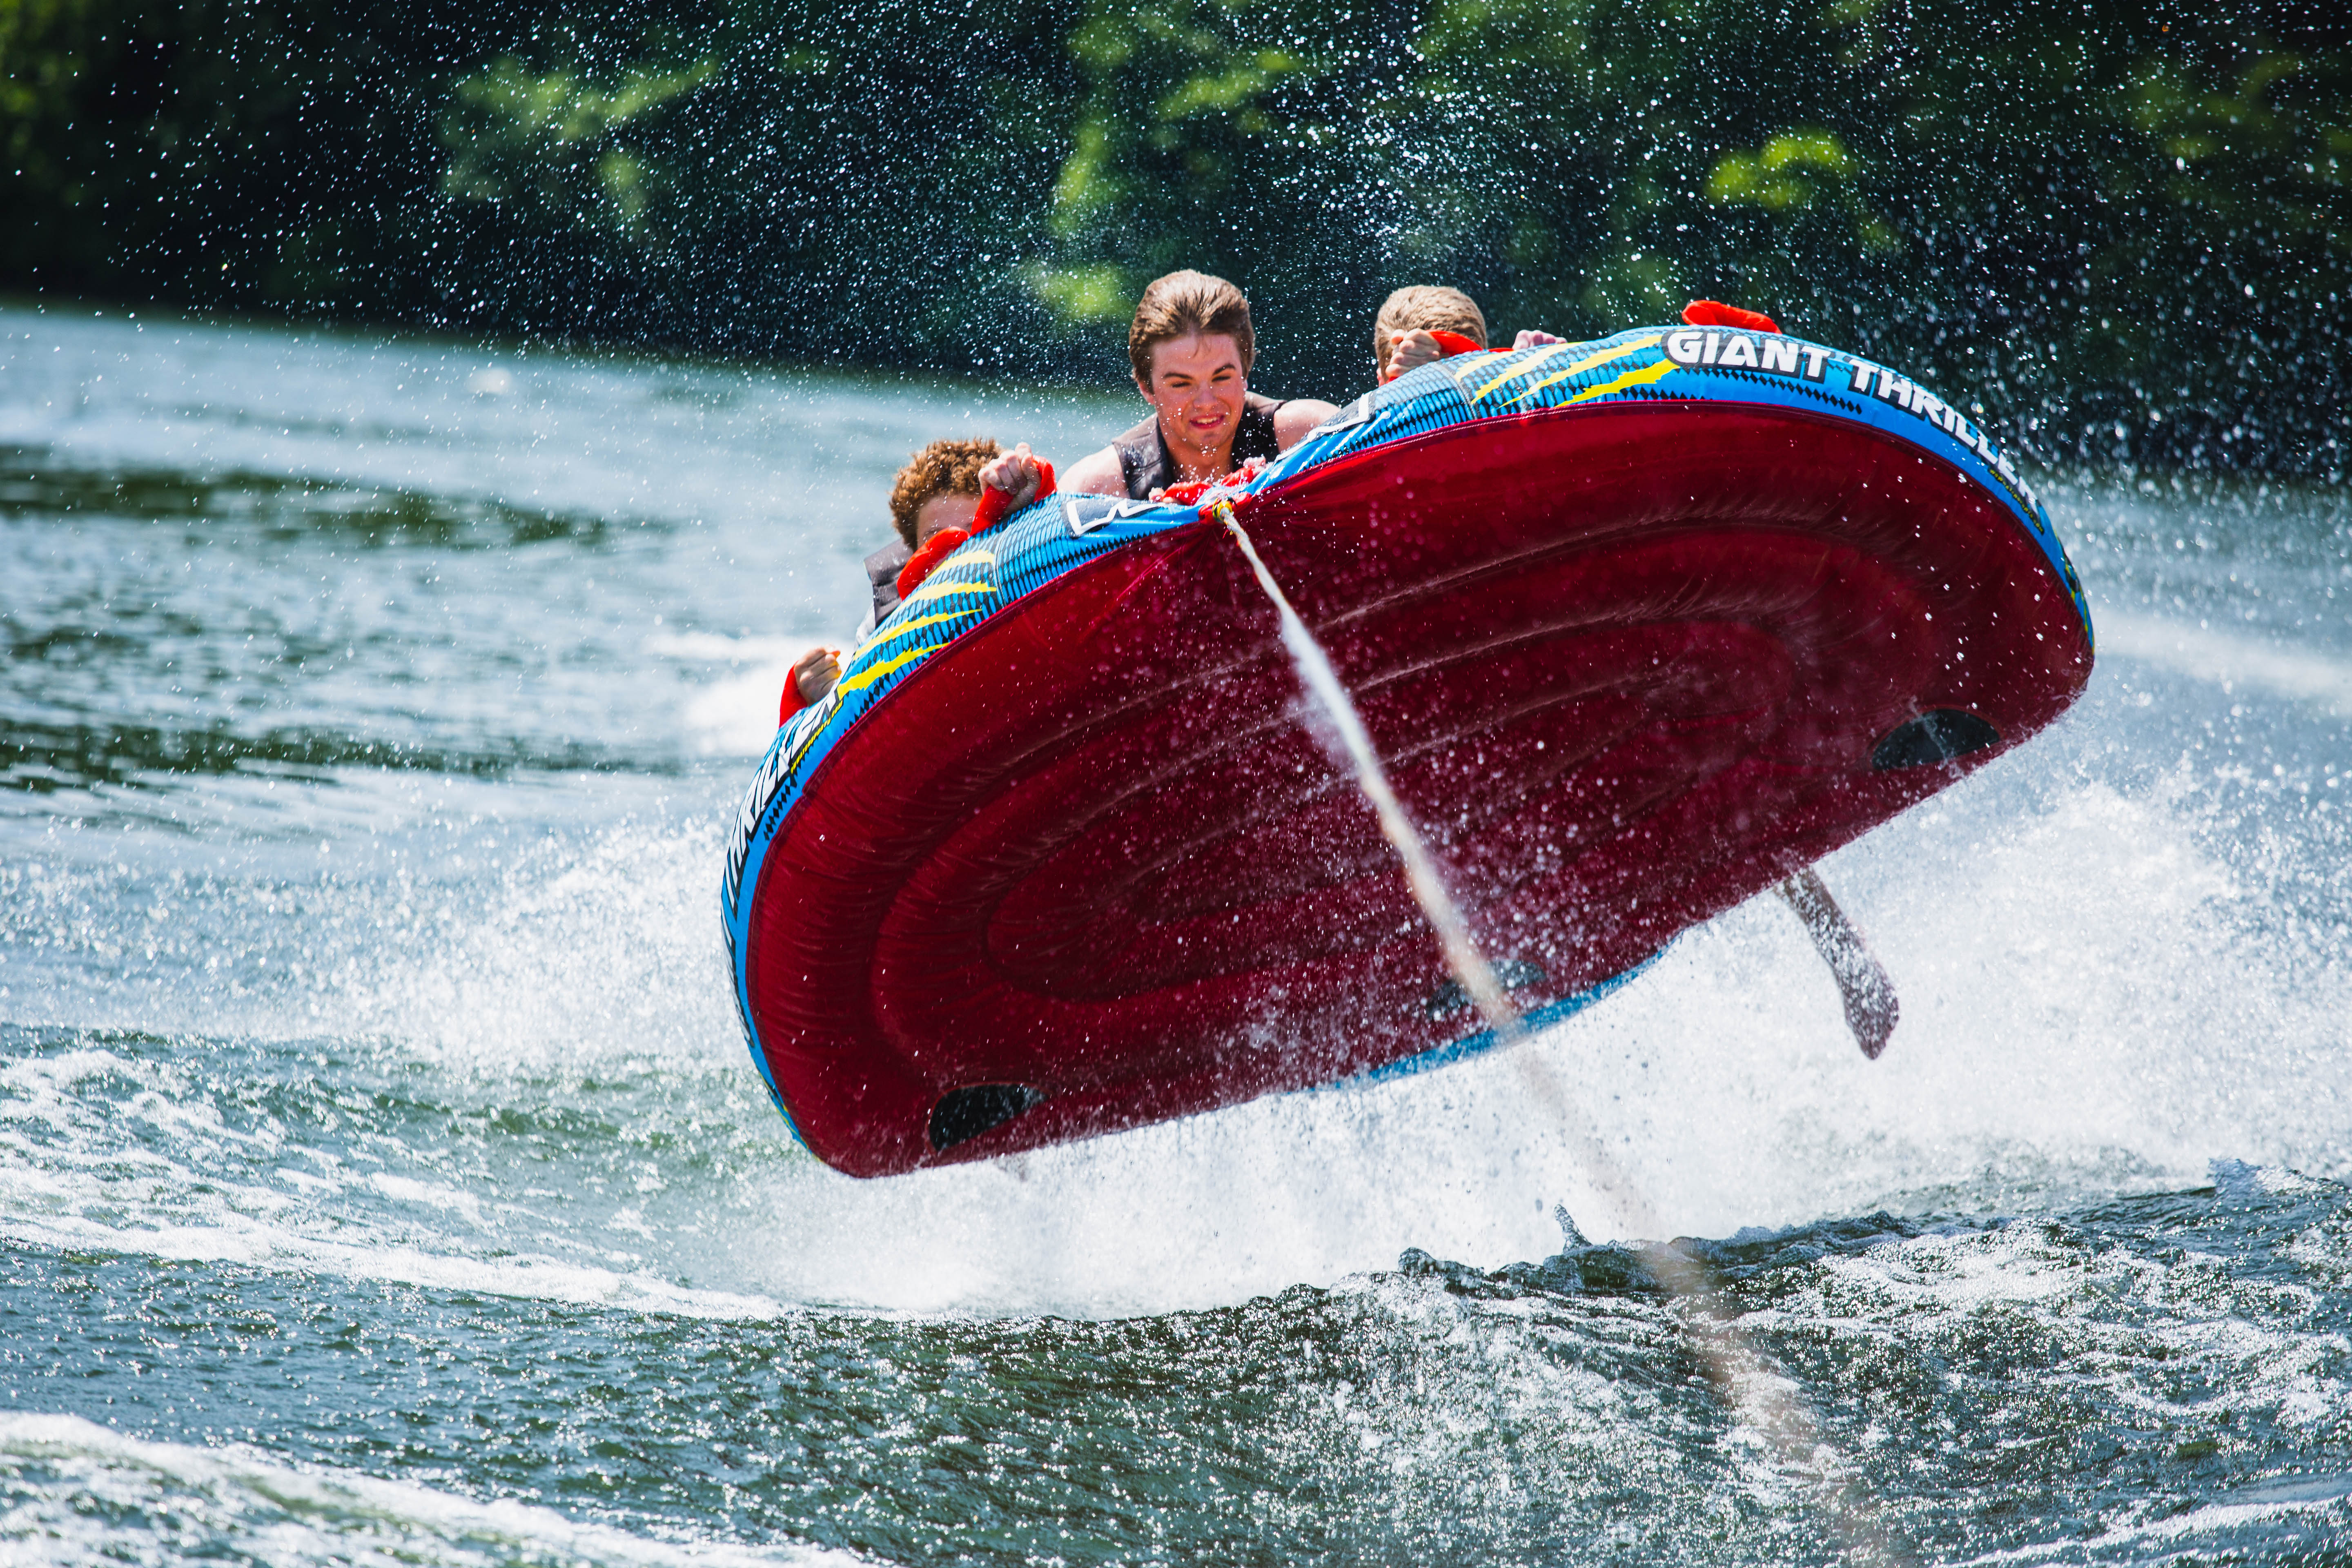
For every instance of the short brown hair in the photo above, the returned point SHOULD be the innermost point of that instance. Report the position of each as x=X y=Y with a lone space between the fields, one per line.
x=942 y=468
x=1424 y=306
x=1184 y=305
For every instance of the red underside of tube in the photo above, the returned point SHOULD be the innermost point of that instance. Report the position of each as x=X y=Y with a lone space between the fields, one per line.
x=1627 y=663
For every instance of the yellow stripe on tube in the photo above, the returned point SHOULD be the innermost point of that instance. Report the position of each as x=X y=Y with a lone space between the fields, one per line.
x=941 y=590
x=1642 y=377
x=1587 y=362
x=918 y=624
x=882 y=666
x=1468 y=363
x=1523 y=368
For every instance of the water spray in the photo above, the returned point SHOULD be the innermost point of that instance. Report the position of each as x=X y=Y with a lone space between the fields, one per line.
x=1462 y=955
x=1747 y=1382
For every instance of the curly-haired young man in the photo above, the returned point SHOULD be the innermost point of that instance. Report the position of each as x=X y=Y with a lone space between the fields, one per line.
x=937 y=489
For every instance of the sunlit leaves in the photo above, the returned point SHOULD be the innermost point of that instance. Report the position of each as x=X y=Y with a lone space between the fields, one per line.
x=1784 y=173
x=2276 y=140
x=1213 y=134
x=556 y=143
x=1789 y=171
x=1238 y=90
x=1088 y=187
x=1086 y=295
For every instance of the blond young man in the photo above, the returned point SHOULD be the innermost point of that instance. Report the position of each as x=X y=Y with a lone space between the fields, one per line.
x=1405 y=335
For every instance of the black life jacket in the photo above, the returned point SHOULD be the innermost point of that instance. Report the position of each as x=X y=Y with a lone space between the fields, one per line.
x=882 y=571
x=1147 y=465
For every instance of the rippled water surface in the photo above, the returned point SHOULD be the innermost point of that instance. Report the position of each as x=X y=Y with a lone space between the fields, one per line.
x=382 y=1176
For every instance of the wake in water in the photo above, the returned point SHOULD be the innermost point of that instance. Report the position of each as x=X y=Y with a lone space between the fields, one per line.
x=87 y=1494
x=2119 y=1383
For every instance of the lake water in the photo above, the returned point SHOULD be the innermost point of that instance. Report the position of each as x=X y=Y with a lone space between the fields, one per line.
x=384 y=1177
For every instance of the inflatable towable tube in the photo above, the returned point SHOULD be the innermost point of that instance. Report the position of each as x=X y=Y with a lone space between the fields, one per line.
x=1639 y=626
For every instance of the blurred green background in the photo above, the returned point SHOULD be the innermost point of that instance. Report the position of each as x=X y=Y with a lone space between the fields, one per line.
x=2121 y=229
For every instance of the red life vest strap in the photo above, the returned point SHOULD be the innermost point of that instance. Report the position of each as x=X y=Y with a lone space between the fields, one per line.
x=936 y=549
x=1190 y=492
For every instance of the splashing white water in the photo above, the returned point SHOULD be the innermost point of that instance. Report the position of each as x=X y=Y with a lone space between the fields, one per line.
x=1462 y=954
x=72 y=1492
x=1768 y=1403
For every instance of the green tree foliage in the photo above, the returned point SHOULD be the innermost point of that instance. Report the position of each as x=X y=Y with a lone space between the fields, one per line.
x=2120 y=229
x=45 y=54
x=810 y=180
x=250 y=154
x=1223 y=136
x=558 y=151
x=86 y=123
x=1989 y=193
x=563 y=198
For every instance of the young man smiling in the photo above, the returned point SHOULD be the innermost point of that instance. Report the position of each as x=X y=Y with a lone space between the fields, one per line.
x=1192 y=349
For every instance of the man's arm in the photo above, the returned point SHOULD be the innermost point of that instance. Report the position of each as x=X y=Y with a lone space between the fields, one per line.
x=1295 y=418
x=1096 y=474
